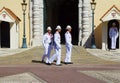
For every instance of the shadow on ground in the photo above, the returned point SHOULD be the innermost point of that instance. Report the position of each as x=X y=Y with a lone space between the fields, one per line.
x=33 y=56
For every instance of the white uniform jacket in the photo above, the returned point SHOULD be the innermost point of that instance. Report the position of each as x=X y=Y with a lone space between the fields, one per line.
x=68 y=39
x=113 y=32
x=47 y=39
x=57 y=40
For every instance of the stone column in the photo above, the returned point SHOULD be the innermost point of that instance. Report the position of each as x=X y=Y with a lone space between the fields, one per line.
x=86 y=28
x=31 y=21
x=37 y=22
x=80 y=6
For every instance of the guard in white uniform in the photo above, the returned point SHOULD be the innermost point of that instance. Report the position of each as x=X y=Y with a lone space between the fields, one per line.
x=57 y=47
x=47 y=43
x=113 y=34
x=68 y=40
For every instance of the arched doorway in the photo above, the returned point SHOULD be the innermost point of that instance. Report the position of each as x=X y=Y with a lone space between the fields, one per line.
x=63 y=13
x=109 y=40
x=5 y=34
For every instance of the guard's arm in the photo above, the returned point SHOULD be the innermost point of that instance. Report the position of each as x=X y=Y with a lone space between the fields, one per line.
x=110 y=33
x=44 y=39
x=56 y=40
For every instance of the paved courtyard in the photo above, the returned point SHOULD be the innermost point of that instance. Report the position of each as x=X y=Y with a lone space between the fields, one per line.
x=109 y=76
x=24 y=66
x=111 y=55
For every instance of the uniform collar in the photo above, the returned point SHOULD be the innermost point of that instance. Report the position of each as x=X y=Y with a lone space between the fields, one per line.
x=57 y=32
x=68 y=32
x=48 y=33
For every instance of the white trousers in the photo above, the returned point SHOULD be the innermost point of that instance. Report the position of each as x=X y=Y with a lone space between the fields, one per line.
x=68 y=54
x=56 y=56
x=47 y=51
x=113 y=42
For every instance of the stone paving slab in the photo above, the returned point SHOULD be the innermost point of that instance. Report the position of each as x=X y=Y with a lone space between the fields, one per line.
x=109 y=76
x=112 y=55
x=7 y=51
x=50 y=74
x=83 y=60
x=21 y=78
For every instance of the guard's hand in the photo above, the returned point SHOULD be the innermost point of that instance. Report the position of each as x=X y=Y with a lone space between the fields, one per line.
x=71 y=45
x=59 y=47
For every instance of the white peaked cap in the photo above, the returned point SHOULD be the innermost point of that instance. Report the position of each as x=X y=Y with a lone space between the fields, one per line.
x=58 y=27
x=68 y=27
x=49 y=28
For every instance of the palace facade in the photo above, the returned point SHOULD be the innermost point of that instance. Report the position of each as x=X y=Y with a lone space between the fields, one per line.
x=43 y=13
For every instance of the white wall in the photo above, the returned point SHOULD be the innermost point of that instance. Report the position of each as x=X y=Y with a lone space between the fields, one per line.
x=14 y=36
x=104 y=36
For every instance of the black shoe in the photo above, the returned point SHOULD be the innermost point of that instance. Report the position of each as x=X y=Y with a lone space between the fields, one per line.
x=68 y=63
x=58 y=64
x=43 y=61
x=54 y=61
x=48 y=64
x=114 y=49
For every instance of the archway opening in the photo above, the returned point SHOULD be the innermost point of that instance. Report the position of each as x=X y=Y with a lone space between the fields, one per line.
x=63 y=13
x=5 y=34
x=109 y=26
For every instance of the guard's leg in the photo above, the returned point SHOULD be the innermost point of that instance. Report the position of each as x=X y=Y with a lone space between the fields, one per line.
x=53 y=57
x=45 y=53
x=67 y=54
x=113 y=43
x=48 y=54
x=58 y=53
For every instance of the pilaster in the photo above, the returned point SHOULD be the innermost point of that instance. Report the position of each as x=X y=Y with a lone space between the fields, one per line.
x=37 y=22
x=86 y=28
x=80 y=6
